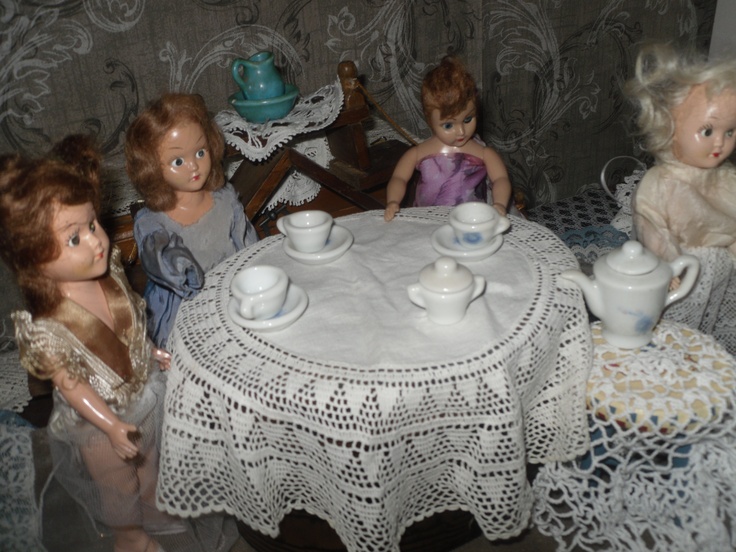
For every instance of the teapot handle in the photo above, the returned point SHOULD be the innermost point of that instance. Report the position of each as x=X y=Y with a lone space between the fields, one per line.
x=679 y=265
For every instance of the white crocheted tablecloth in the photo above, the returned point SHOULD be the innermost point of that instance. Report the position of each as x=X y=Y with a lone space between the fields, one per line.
x=258 y=141
x=661 y=472
x=365 y=413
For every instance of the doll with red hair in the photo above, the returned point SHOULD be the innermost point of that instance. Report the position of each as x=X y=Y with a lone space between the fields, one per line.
x=85 y=330
x=192 y=217
x=454 y=165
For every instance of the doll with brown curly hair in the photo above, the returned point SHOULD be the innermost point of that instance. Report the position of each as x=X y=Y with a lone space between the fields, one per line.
x=454 y=165
x=192 y=217
x=85 y=330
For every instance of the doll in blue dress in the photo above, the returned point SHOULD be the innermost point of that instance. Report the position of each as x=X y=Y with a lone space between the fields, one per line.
x=454 y=165
x=192 y=217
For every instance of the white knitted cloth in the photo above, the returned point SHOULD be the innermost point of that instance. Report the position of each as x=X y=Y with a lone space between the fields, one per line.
x=258 y=141
x=365 y=413
x=661 y=473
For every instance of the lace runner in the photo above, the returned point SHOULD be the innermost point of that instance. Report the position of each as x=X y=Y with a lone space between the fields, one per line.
x=661 y=471
x=363 y=412
x=20 y=519
x=258 y=141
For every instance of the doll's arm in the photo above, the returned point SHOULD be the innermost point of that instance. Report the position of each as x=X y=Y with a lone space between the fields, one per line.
x=396 y=189
x=653 y=234
x=169 y=263
x=90 y=406
x=650 y=218
x=500 y=183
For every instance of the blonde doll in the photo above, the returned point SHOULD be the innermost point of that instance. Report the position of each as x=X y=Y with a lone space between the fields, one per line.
x=192 y=217
x=686 y=203
x=687 y=116
x=453 y=164
x=85 y=330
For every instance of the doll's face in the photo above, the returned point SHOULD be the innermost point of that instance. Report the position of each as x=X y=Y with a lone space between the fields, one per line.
x=705 y=130
x=185 y=157
x=456 y=130
x=83 y=244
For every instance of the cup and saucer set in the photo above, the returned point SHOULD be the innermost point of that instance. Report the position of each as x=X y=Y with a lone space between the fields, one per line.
x=312 y=238
x=475 y=231
x=262 y=297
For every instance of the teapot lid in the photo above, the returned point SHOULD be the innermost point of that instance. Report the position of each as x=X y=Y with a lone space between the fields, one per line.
x=632 y=259
x=445 y=274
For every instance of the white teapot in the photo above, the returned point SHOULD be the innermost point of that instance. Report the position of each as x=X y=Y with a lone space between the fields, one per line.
x=630 y=289
x=445 y=289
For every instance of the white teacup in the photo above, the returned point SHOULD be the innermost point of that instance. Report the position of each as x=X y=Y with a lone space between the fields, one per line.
x=476 y=224
x=307 y=230
x=260 y=291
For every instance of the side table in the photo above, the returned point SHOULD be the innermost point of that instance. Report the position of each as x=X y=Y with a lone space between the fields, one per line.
x=661 y=471
x=268 y=154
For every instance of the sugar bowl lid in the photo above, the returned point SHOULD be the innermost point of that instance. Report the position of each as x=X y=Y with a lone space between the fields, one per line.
x=445 y=275
x=632 y=258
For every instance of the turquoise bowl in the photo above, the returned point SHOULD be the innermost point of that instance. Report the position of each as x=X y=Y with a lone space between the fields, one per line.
x=260 y=111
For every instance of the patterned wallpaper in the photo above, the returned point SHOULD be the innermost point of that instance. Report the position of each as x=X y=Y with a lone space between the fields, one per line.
x=550 y=70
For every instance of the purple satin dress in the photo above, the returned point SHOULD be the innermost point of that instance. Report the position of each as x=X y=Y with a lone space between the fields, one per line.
x=450 y=179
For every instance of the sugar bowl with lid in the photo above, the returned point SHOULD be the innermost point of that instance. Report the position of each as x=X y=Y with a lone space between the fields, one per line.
x=445 y=289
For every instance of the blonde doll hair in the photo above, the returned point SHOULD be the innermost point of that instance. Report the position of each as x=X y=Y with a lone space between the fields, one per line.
x=664 y=77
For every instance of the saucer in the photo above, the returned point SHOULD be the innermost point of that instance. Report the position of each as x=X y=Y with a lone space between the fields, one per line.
x=338 y=242
x=445 y=243
x=294 y=307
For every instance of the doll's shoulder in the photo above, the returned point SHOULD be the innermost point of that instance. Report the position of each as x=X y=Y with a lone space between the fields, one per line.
x=148 y=222
x=227 y=192
x=45 y=345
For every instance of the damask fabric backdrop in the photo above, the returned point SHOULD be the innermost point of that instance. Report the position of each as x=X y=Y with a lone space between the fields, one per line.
x=550 y=70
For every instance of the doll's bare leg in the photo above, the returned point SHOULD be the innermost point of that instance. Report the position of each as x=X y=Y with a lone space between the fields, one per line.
x=118 y=486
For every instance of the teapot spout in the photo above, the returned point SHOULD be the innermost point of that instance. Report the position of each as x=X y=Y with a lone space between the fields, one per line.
x=590 y=288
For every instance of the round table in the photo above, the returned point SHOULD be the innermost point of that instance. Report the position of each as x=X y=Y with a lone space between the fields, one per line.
x=363 y=412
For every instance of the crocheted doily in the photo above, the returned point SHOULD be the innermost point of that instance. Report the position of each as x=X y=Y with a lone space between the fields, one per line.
x=258 y=141
x=661 y=471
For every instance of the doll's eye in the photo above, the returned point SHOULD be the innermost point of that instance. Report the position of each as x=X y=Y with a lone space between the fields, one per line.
x=178 y=162
x=447 y=126
x=92 y=227
x=468 y=119
x=707 y=132
x=201 y=153
x=729 y=133
x=73 y=240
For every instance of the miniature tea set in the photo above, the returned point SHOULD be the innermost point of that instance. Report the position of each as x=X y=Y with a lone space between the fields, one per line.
x=264 y=299
x=263 y=95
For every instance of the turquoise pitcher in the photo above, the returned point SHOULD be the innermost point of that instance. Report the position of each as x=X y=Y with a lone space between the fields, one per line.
x=260 y=79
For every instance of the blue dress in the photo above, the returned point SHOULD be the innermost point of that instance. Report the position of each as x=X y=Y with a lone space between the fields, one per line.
x=175 y=257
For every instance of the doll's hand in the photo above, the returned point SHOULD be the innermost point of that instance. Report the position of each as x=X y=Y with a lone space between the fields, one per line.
x=162 y=357
x=392 y=207
x=500 y=208
x=120 y=435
